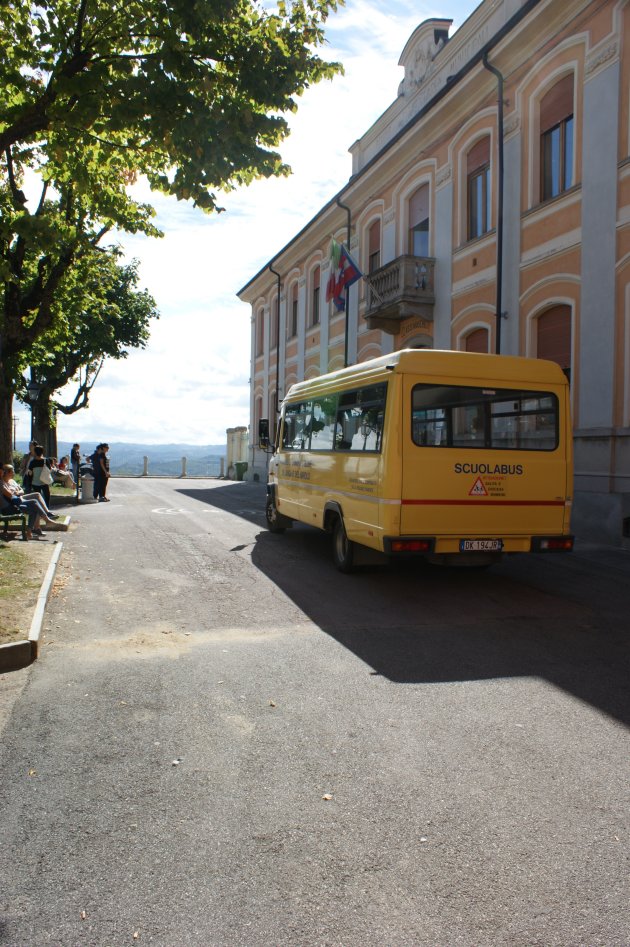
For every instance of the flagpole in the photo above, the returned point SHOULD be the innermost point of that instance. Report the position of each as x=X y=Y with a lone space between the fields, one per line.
x=345 y=349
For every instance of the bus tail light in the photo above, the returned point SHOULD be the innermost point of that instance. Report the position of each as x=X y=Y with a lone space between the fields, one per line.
x=552 y=543
x=411 y=545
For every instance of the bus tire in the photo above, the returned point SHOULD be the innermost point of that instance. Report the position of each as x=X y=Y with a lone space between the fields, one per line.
x=343 y=548
x=276 y=523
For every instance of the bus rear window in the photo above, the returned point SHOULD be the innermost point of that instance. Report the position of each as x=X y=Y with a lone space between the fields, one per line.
x=497 y=418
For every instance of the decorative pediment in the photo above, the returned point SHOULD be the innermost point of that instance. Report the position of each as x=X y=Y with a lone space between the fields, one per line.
x=421 y=49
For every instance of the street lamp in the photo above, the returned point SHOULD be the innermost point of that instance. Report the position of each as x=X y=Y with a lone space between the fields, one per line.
x=33 y=391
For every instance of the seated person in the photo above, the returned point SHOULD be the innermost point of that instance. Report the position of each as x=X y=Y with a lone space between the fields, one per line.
x=8 y=481
x=61 y=474
x=16 y=505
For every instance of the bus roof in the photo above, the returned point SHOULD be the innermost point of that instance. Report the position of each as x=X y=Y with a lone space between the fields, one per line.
x=510 y=370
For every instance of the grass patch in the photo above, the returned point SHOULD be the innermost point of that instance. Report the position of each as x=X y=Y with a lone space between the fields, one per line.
x=20 y=581
x=58 y=491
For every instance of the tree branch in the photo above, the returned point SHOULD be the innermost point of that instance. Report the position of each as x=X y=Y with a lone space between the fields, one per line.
x=81 y=398
x=18 y=197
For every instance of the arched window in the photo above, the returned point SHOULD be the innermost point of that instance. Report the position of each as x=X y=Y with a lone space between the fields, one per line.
x=315 y=294
x=273 y=328
x=260 y=332
x=374 y=246
x=556 y=139
x=477 y=340
x=419 y=222
x=478 y=187
x=554 y=337
x=292 y=321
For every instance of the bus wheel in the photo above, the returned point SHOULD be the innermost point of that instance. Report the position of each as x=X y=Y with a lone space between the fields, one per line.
x=275 y=522
x=343 y=548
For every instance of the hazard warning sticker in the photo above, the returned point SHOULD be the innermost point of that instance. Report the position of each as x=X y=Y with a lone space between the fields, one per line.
x=478 y=489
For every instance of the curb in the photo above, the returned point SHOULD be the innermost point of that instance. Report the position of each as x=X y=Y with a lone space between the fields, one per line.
x=19 y=654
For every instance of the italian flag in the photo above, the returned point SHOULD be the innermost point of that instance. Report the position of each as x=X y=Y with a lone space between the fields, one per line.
x=343 y=272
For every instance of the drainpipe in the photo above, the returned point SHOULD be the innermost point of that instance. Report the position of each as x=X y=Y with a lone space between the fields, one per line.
x=277 y=275
x=499 y=304
x=345 y=349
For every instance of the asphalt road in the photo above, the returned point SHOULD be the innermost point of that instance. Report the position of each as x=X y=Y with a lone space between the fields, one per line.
x=225 y=742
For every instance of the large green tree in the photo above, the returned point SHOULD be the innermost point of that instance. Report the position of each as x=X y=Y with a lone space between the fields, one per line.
x=101 y=315
x=93 y=93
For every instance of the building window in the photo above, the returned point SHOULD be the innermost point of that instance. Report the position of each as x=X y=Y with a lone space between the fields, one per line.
x=315 y=297
x=477 y=341
x=293 y=312
x=478 y=183
x=260 y=332
x=419 y=222
x=374 y=246
x=273 y=315
x=556 y=139
x=554 y=337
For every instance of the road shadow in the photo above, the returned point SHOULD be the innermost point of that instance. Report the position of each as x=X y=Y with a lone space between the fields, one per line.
x=561 y=618
x=244 y=499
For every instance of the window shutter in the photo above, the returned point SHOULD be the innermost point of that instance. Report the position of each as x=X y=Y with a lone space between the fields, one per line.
x=419 y=206
x=374 y=237
x=477 y=341
x=478 y=155
x=557 y=104
x=554 y=336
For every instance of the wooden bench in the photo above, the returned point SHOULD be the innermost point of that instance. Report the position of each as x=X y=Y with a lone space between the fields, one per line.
x=17 y=519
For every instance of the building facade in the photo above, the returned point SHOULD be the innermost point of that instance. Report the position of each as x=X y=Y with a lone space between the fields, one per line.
x=490 y=206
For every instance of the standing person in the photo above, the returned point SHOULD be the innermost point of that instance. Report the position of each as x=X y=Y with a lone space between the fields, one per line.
x=75 y=460
x=97 y=470
x=24 y=471
x=104 y=474
x=41 y=476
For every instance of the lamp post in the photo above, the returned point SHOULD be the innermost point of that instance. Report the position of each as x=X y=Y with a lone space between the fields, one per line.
x=33 y=391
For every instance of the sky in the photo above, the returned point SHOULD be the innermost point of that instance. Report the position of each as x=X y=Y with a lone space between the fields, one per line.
x=191 y=382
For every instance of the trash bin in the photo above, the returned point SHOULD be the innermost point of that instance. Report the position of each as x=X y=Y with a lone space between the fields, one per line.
x=87 y=489
x=241 y=467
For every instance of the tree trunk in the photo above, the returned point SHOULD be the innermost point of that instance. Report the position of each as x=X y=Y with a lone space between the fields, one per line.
x=44 y=431
x=6 y=423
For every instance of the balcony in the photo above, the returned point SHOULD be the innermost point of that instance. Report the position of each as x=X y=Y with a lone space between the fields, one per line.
x=400 y=290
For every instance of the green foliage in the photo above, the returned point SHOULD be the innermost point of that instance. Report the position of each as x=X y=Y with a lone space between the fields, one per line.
x=99 y=313
x=190 y=94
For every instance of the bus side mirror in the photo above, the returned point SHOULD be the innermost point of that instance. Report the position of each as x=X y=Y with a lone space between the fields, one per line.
x=263 y=433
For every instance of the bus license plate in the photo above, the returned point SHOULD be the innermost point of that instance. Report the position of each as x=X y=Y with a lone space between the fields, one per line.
x=480 y=545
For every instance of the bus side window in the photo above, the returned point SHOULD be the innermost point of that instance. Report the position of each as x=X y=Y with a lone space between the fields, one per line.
x=296 y=431
x=323 y=423
x=360 y=419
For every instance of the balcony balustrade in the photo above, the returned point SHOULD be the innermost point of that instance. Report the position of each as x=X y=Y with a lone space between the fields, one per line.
x=400 y=290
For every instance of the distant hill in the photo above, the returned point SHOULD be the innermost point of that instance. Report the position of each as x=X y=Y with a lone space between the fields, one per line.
x=165 y=460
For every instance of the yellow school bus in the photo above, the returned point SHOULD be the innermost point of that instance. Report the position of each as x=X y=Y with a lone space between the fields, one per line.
x=455 y=456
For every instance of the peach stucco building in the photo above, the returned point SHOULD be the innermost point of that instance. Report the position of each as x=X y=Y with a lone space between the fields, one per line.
x=423 y=204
